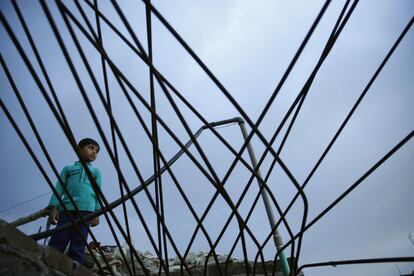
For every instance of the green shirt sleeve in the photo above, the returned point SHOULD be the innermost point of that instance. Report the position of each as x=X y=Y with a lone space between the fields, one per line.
x=98 y=178
x=62 y=180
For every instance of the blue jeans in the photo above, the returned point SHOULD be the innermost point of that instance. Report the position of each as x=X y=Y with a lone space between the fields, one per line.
x=71 y=235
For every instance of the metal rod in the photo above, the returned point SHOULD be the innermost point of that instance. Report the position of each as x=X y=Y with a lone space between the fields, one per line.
x=276 y=236
x=359 y=261
x=32 y=217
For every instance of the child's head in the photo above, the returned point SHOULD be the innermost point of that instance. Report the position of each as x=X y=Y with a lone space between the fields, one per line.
x=88 y=149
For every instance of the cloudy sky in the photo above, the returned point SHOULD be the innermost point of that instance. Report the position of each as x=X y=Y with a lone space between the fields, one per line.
x=247 y=45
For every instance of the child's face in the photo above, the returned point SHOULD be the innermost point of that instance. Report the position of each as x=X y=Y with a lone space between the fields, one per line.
x=89 y=152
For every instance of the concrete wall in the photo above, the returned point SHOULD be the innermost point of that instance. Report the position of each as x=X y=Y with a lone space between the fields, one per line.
x=20 y=255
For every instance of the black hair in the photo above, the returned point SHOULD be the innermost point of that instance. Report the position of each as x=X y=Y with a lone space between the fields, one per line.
x=87 y=141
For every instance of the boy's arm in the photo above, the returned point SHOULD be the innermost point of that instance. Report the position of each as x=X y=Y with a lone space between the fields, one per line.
x=95 y=221
x=53 y=203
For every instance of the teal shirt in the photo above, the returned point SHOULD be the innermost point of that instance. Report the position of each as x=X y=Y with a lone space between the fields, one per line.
x=77 y=182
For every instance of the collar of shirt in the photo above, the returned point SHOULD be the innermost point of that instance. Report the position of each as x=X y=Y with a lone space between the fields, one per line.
x=78 y=163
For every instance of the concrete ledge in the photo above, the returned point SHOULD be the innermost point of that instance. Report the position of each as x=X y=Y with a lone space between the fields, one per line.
x=12 y=237
x=20 y=255
x=57 y=261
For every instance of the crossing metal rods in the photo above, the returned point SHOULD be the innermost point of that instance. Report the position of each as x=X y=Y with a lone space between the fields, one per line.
x=164 y=239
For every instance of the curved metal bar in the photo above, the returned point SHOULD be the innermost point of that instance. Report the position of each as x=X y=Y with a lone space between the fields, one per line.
x=116 y=203
x=359 y=261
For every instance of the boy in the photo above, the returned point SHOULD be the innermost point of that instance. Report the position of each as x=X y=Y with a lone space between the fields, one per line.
x=75 y=179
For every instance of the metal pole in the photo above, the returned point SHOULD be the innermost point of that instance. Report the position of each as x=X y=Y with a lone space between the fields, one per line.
x=265 y=196
x=32 y=217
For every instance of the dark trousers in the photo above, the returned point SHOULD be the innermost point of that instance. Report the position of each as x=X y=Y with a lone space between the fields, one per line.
x=71 y=235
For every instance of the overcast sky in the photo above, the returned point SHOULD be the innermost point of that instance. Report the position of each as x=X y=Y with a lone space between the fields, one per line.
x=247 y=45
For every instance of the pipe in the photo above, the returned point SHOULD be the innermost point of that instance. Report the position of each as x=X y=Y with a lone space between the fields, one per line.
x=265 y=196
x=34 y=216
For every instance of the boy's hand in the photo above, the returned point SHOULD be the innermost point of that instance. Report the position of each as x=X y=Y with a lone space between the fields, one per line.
x=94 y=222
x=53 y=216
